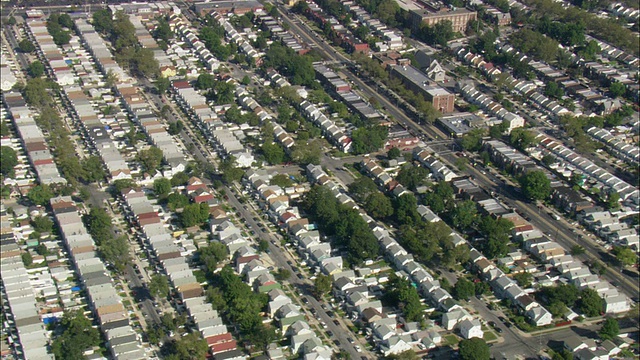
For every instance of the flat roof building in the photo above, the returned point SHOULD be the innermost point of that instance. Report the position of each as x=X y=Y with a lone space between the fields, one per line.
x=442 y=99
x=438 y=12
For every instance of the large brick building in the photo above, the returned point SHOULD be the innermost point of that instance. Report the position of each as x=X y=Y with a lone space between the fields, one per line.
x=433 y=13
x=442 y=99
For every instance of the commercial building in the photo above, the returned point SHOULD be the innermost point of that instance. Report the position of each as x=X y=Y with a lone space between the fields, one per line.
x=417 y=81
x=434 y=13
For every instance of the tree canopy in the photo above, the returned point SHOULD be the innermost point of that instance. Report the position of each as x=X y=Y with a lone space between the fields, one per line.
x=535 y=185
x=610 y=329
x=590 y=303
x=159 y=286
x=400 y=294
x=368 y=139
x=474 y=349
x=98 y=224
x=8 y=160
x=76 y=336
x=342 y=223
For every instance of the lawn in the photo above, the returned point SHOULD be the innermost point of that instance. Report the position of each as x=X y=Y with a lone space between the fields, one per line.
x=450 y=340
x=489 y=336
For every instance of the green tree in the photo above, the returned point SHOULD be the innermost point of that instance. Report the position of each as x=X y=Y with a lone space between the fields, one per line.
x=150 y=159
x=40 y=194
x=613 y=201
x=394 y=153
x=557 y=309
x=115 y=250
x=36 y=69
x=162 y=85
x=281 y=180
x=42 y=224
x=610 y=329
x=472 y=141
x=464 y=289
x=617 y=89
x=162 y=187
x=282 y=274
x=273 y=152
x=521 y=138
x=399 y=293
x=577 y=250
x=27 y=259
x=93 y=169
x=368 y=139
x=361 y=188
x=440 y=199
x=321 y=286
x=378 y=205
x=464 y=214
x=8 y=160
x=213 y=254
x=564 y=293
x=99 y=224
x=76 y=335
x=35 y=92
x=412 y=176
x=190 y=347
x=590 y=303
x=194 y=214
x=163 y=30
x=474 y=349
x=535 y=185
x=497 y=232
x=11 y=21
x=159 y=286
x=524 y=279
x=179 y=179
x=406 y=209
x=625 y=255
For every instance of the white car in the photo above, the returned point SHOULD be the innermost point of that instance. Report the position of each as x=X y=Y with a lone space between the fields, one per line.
x=358 y=348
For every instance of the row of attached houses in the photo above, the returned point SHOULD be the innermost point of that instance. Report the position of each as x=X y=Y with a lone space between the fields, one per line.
x=106 y=304
x=627 y=192
x=83 y=112
x=609 y=226
x=474 y=96
x=392 y=39
x=629 y=153
x=343 y=35
x=329 y=129
x=32 y=138
x=234 y=36
x=290 y=319
x=29 y=338
x=134 y=101
x=7 y=72
x=524 y=88
x=161 y=245
x=278 y=33
x=341 y=88
x=189 y=35
x=425 y=156
x=368 y=310
x=217 y=132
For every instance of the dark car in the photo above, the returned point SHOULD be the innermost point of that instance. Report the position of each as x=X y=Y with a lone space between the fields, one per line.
x=337 y=342
x=300 y=276
x=492 y=324
x=336 y=322
x=499 y=330
x=330 y=333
